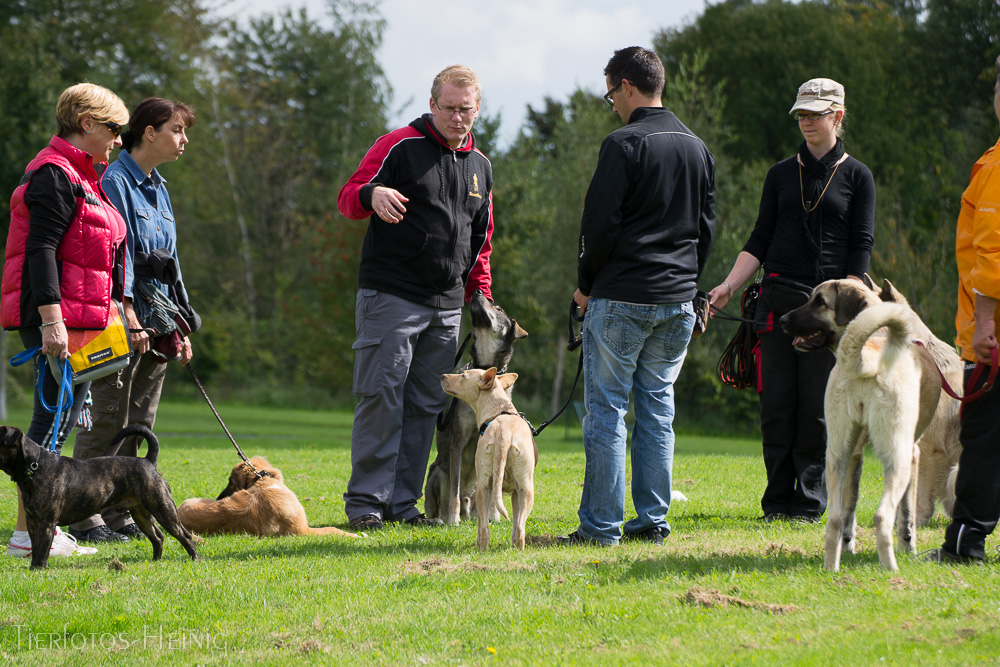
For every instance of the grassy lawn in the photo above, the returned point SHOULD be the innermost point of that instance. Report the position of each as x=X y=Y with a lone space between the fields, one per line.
x=725 y=588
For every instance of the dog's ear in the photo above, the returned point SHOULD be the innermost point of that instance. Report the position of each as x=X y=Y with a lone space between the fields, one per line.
x=486 y=382
x=868 y=282
x=507 y=380
x=890 y=294
x=850 y=302
x=519 y=333
x=11 y=436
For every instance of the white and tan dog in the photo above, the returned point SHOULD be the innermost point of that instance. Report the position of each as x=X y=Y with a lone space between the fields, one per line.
x=506 y=453
x=884 y=389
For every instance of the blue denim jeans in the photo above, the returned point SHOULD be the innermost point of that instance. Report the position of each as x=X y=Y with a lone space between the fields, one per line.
x=639 y=349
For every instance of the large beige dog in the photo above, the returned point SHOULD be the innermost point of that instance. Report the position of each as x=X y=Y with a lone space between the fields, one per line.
x=506 y=454
x=258 y=505
x=884 y=389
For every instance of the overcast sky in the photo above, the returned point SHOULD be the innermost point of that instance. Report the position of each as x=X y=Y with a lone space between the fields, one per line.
x=522 y=50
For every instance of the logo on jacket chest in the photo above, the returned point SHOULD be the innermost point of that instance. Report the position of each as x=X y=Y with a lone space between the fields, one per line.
x=474 y=192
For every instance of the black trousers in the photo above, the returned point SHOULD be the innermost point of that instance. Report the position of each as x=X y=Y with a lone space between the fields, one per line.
x=792 y=426
x=977 y=488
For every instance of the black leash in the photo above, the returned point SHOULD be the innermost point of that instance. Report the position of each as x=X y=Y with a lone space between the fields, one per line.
x=259 y=473
x=575 y=341
x=718 y=313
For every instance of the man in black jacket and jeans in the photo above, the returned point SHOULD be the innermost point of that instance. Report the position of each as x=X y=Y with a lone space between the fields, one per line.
x=646 y=233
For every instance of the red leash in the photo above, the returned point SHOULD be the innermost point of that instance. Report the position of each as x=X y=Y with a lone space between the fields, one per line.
x=977 y=373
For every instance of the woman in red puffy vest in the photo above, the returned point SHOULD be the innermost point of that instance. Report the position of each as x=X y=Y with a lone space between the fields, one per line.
x=64 y=256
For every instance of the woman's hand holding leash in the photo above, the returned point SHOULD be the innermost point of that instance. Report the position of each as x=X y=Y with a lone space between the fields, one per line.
x=55 y=338
x=581 y=301
x=719 y=297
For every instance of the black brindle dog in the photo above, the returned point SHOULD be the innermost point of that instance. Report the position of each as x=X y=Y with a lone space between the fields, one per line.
x=451 y=479
x=57 y=490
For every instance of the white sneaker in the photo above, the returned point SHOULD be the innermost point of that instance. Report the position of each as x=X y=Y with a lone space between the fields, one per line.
x=63 y=544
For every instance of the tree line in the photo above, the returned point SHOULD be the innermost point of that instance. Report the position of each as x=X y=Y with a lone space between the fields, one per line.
x=288 y=103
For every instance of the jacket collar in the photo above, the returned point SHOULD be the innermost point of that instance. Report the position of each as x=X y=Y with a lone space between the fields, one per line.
x=136 y=172
x=643 y=112
x=425 y=126
x=82 y=160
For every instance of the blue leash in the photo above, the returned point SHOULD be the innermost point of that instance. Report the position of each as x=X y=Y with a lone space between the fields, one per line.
x=65 y=399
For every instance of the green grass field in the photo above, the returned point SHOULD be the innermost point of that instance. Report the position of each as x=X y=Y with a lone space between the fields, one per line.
x=725 y=588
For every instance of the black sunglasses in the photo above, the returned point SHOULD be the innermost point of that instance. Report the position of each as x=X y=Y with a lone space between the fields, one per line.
x=607 y=96
x=115 y=128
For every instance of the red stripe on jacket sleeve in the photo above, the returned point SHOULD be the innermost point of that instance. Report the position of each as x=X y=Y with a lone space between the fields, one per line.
x=479 y=275
x=349 y=199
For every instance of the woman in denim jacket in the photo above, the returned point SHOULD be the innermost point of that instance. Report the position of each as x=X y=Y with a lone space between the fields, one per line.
x=157 y=133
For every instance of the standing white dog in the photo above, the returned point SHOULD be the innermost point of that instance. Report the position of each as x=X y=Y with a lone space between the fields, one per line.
x=506 y=454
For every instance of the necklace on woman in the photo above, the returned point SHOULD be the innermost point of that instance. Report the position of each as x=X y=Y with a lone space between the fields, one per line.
x=802 y=193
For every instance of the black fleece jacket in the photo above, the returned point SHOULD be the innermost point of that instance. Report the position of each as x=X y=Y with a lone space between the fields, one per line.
x=649 y=215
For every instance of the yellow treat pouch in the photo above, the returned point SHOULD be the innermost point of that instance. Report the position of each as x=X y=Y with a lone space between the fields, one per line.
x=94 y=354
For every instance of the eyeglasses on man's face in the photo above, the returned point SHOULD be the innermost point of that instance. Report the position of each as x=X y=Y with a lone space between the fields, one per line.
x=449 y=112
x=607 y=95
x=803 y=115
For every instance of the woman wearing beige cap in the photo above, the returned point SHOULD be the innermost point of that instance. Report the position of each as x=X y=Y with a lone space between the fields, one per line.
x=815 y=223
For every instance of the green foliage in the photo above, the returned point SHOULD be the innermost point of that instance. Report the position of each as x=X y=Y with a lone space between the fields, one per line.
x=287 y=105
x=724 y=588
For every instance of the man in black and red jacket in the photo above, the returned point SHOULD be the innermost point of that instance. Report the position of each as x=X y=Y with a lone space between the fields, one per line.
x=427 y=194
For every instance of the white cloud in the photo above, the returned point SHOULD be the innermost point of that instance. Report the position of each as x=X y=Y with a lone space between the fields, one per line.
x=523 y=51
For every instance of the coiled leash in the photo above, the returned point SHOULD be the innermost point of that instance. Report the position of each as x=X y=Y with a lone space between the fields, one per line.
x=575 y=341
x=246 y=461
x=737 y=365
x=64 y=400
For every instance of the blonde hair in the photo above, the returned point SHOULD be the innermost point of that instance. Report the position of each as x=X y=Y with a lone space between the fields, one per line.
x=88 y=99
x=459 y=76
x=839 y=130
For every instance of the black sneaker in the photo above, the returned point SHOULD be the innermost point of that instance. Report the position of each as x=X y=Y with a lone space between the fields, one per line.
x=944 y=557
x=654 y=534
x=422 y=520
x=771 y=517
x=805 y=518
x=131 y=531
x=576 y=539
x=366 y=522
x=98 y=534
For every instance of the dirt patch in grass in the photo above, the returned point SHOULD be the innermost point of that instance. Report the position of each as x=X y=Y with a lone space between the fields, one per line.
x=545 y=540
x=440 y=565
x=782 y=549
x=712 y=598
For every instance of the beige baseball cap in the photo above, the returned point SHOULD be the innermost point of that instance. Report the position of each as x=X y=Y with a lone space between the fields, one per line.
x=818 y=95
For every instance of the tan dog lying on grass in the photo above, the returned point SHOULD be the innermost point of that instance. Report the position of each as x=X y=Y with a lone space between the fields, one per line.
x=261 y=506
x=506 y=454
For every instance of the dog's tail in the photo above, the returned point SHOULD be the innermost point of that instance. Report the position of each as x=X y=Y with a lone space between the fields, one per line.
x=500 y=469
x=857 y=359
x=152 y=444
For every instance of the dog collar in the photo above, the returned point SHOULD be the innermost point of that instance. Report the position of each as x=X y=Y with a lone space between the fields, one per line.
x=486 y=424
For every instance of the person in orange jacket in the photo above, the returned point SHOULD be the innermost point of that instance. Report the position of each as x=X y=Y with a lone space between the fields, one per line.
x=977 y=250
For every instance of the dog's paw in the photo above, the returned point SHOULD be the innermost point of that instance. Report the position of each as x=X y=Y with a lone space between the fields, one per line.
x=677 y=495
